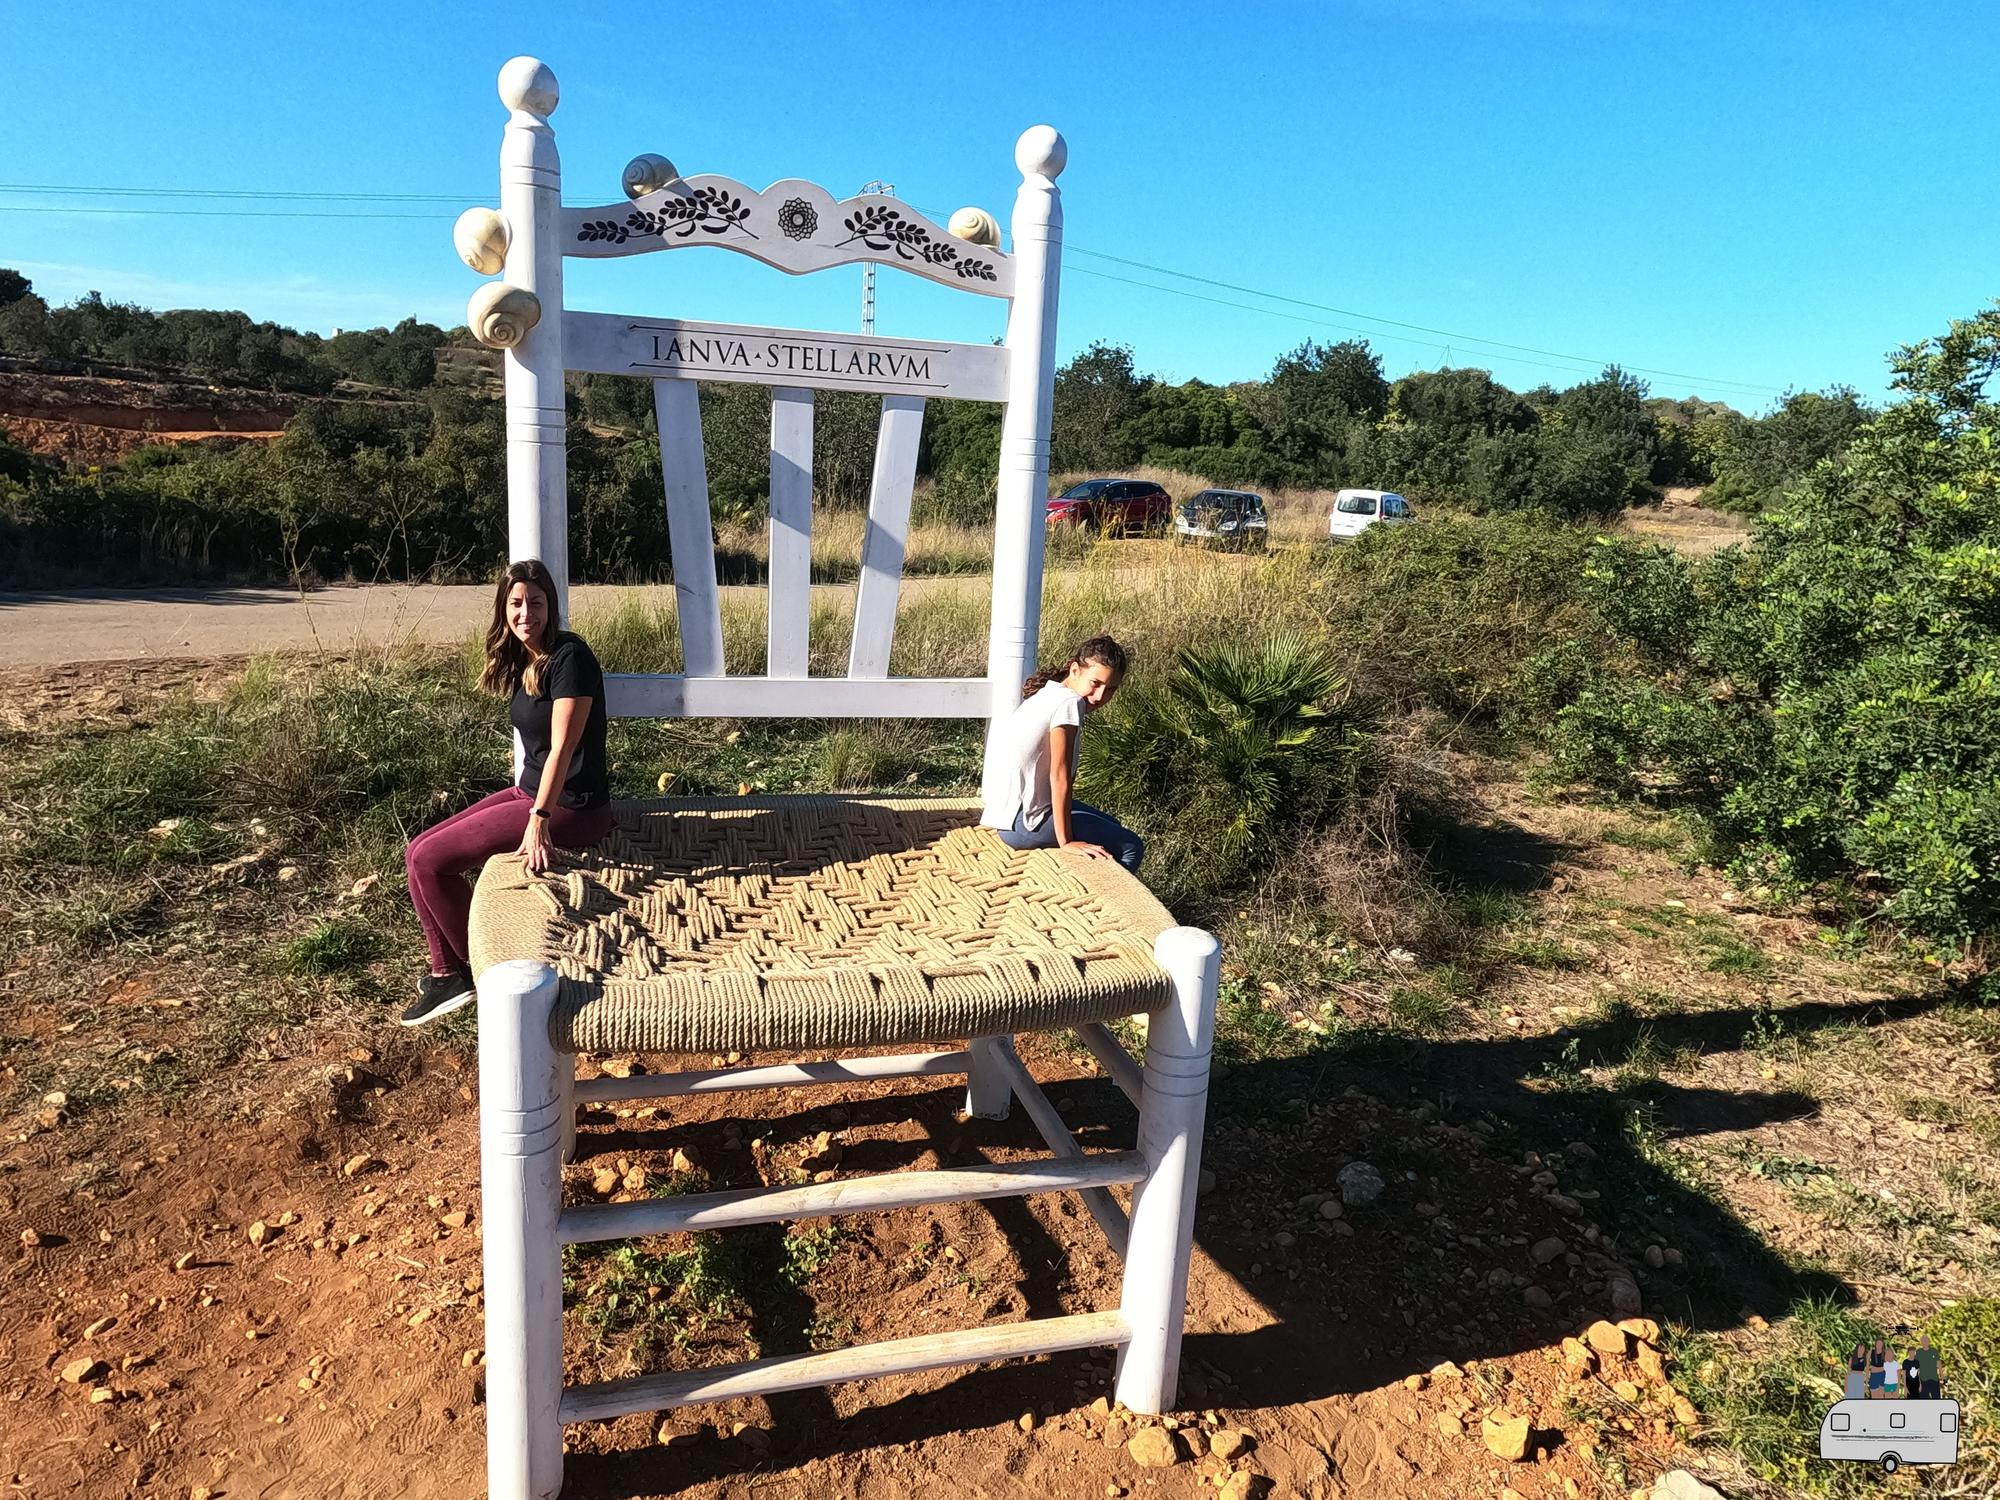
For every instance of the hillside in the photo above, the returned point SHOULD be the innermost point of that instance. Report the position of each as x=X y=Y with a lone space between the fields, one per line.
x=84 y=419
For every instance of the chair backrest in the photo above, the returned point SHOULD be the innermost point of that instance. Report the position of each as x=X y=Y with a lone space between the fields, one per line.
x=796 y=227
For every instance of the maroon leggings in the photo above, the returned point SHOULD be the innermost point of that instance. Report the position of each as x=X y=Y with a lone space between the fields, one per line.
x=440 y=857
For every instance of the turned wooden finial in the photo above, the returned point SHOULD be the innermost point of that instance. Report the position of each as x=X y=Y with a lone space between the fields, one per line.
x=645 y=174
x=977 y=226
x=481 y=237
x=1041 y=151
x=528 y=84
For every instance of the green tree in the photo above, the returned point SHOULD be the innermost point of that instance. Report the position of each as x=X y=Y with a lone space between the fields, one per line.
x=1760 y=462
x=1097 y=401
x=1319 y=399
x=1828 y=698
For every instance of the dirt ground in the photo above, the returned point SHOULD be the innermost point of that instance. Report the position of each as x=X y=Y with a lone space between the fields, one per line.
x=267 y=1282
x=354 y=1327
x=1681 y=521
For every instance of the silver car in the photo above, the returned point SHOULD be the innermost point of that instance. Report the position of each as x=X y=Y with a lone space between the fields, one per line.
x=1225 y=518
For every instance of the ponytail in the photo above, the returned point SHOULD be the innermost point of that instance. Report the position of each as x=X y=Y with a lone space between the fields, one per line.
x=1099 y=649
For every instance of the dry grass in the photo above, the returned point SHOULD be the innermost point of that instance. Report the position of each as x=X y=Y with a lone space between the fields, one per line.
x=1147 y=595
x=743 y=551
x=1686 y=528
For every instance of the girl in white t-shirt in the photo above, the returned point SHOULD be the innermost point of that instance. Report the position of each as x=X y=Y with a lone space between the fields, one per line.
x=1030 y=770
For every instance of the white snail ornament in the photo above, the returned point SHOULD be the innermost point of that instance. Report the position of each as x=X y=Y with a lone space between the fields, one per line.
x=500 y=315
x=976 y=226
x=481 y=237
x=645 y=174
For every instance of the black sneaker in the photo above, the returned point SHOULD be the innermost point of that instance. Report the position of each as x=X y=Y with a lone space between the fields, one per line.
x=439 y=995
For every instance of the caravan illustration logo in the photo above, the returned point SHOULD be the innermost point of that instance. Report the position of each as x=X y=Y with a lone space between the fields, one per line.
x=1893 y=1411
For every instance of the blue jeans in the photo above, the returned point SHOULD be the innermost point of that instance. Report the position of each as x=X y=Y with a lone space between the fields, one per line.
x=1085 y=823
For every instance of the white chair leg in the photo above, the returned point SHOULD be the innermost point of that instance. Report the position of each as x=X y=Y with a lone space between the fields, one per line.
x=520 y=1169
x=566 y=1102
x=1171 y=1111
x=988 y=1096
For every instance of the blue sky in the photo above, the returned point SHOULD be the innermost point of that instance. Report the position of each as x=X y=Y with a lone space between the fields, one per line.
x=1751 y=196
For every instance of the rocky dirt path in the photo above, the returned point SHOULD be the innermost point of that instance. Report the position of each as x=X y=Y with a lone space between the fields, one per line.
x=64 y=626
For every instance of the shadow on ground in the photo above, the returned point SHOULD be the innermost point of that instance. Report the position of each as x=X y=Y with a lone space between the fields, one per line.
x=1430 y=1273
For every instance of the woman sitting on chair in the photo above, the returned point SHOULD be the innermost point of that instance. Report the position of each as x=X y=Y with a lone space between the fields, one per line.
x=1030 y=768
x=562 y=799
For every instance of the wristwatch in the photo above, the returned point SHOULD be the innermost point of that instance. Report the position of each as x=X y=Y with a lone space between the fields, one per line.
x=541 y=812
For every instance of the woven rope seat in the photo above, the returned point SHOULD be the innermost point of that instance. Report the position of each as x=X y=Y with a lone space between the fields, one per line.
x=756 y=924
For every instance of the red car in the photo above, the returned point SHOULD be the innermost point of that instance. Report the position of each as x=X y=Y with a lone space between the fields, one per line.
x=1113 y=507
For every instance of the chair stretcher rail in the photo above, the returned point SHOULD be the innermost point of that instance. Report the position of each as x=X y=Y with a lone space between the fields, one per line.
x=774 y=1076
x=737 y=1207
x=794 y=1372
x=1116 y=1060
x=1103 y=1207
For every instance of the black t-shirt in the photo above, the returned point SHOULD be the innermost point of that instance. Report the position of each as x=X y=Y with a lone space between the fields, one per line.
x=570 y=672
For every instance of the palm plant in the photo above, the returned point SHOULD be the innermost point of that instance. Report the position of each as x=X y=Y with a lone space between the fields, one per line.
x=1236 y=741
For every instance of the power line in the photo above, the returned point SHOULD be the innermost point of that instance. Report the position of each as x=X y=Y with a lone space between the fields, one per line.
x=214 y=213
x=1445 y=333
x=1290 y=317
x=253 y=193
x=301 y=195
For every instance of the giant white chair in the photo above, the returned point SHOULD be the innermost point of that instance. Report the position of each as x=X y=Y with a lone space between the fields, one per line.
x=799 y=925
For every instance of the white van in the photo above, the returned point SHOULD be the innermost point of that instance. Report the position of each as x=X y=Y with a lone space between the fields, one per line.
x=1354 y=511
x=1891 y=1432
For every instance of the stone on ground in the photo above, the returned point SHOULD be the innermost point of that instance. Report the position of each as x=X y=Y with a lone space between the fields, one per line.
x=1607 y=1338
x=1241 y=1485
x=1552 y=1248
x=1681 y=1485
x=77 y=1371
x=1625 y=1296
x=1507 y=1437
x=1228 y=1442
x=1360 y=1184
x=1153 y=1448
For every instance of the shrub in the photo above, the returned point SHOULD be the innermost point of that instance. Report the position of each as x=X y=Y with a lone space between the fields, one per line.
x=1445 y=613
x=1826 y=699
x=1237 y=741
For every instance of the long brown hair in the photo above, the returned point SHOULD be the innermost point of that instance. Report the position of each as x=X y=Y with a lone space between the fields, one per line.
x=509 y=663
x=1100 y=649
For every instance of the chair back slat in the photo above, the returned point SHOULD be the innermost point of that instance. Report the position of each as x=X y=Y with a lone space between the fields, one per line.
x=786 y=641
x=886 y=538
x=684 y=466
